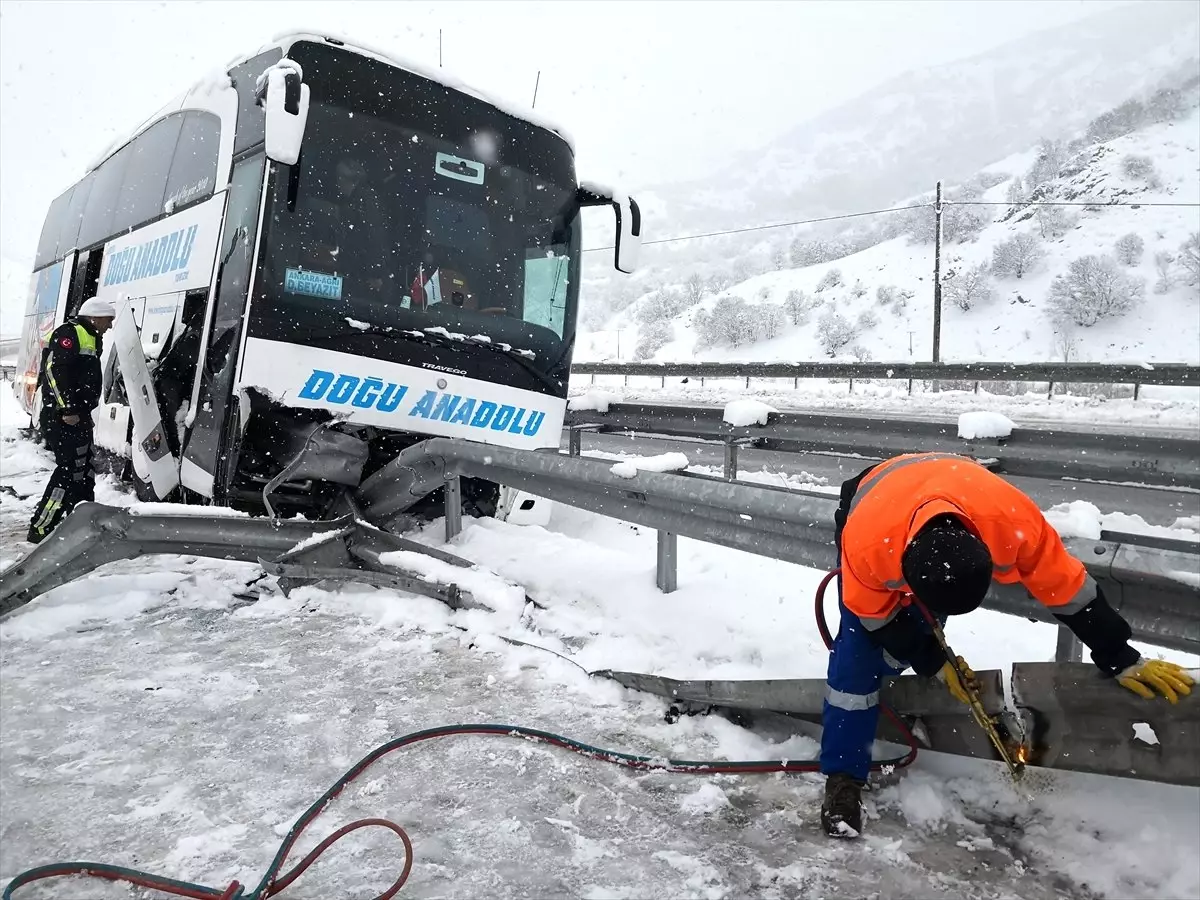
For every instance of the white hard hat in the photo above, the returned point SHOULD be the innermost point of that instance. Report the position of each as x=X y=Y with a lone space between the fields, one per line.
x=97 y=308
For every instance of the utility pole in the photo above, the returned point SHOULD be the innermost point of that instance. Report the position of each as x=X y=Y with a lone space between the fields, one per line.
x=439 y=48
x=910 y=350
x=937 y=275
x=535 y=89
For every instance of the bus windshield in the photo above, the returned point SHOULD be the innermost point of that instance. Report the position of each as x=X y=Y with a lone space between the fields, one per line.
x=415 y=207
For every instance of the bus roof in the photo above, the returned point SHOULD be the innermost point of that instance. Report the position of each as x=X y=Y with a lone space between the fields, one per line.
x=285 y=40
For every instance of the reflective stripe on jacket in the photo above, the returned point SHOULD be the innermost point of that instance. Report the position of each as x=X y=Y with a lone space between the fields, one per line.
x=900 y=495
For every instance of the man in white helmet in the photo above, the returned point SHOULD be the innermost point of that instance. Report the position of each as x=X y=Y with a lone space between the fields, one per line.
x=71 y=380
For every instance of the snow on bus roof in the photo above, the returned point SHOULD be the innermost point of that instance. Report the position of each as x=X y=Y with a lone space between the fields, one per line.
x=441 y=76
x=215 y=80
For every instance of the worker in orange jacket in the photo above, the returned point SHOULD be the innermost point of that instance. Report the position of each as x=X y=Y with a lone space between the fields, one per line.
x=941 y=528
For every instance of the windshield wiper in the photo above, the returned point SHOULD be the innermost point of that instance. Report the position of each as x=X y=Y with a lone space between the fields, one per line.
x=442 y=338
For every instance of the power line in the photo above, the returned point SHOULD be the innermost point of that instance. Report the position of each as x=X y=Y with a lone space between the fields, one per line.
x=1023 y=204
x=696 y=237
x=877 y=212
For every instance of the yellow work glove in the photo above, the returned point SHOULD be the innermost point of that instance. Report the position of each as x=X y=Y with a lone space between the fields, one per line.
x=1165 y=677
x=950 y=679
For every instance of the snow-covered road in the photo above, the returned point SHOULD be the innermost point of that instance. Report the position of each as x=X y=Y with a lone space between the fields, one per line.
x=187 y=730
x=159 y=714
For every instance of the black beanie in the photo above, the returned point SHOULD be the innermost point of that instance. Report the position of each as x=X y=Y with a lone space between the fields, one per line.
x=947 y=567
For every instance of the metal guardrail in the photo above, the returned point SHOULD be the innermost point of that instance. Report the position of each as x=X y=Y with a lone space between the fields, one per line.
x=1154 y=588
x=294 y=550
x=1071 y=716
x=1029 y=452
x=1173 y=374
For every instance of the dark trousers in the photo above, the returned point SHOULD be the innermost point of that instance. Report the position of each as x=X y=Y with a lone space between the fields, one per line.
x=73 y=480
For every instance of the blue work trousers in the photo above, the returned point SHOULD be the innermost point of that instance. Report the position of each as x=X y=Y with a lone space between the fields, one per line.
x=850 y=714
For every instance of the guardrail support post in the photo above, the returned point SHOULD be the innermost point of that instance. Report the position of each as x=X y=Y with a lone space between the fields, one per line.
x=1068 y=648
x=1137 y=389
x=747 y=381
x=731 y=459
x=666 y=573
x=575 y=436
x=453 y=507
x=910 y=387
x=851 y=386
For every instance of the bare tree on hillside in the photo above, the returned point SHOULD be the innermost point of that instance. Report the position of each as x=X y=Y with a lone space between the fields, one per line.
x=797 y=305
x=834 y=331
x=1017 y=256
x=1189 y=257
x=662 y=305
x=695 y=288
x=1015 y=195
x=1053 y=221
x=831 y=279
x=859 y=289
x=867 y=319
x=1052 y=155
x=652 y=337
x=1129 y=249
x=1140 y=168
x=1164 y=265
x=970 y=287
x=779 y=257
x=1094 y=288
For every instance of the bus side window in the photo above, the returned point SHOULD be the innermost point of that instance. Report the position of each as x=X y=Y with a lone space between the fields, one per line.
x=102 y=200
x=194 y=167
x=141 y=197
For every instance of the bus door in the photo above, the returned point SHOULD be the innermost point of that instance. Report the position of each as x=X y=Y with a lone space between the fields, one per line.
x=213 y=419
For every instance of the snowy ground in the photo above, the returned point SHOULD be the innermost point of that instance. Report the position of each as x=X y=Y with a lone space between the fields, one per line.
x=158 y=715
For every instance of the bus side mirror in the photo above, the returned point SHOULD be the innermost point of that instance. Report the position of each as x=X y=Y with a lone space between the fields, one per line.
x=628 y=244
x=282 y=93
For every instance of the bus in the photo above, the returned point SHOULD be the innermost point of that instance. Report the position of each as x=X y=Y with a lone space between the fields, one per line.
x=319 y=259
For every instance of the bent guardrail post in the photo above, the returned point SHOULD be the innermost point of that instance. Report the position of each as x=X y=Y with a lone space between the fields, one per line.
x=94 y=535
x=1082 y=721
x=945 y=724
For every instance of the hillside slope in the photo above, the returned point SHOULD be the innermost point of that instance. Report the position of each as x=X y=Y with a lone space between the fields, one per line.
x=943 y=122
x=1017 y=322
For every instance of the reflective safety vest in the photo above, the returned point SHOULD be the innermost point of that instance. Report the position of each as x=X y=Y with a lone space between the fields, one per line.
x=901 y=495
x=83 y=366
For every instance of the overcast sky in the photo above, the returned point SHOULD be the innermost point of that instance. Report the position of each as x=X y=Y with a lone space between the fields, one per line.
x=651 y=91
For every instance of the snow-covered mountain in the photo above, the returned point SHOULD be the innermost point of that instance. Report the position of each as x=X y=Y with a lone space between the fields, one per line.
x=1010 y=317
x=945 y=122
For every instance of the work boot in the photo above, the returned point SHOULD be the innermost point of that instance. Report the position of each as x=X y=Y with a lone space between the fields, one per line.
x=841 y=813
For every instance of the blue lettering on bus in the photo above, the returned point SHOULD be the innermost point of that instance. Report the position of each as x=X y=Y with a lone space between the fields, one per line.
x=157 y=256
x=338 y=389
